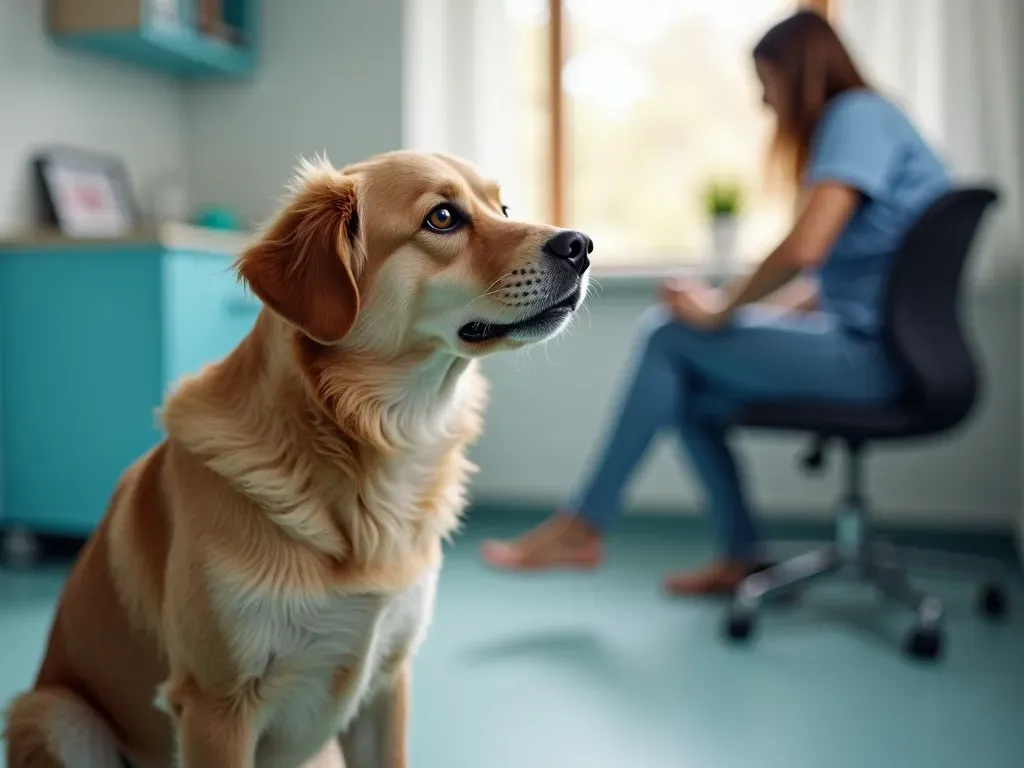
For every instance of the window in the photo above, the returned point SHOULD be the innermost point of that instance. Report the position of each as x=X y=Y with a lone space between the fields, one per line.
x=655 y=99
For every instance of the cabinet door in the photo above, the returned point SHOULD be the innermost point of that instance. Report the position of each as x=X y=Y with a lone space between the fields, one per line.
x=81 y=362
x=206 y=311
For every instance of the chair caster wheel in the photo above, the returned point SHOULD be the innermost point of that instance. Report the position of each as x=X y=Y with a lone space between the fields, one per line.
x=992 y=602
x=924 y=643
x=739 y=626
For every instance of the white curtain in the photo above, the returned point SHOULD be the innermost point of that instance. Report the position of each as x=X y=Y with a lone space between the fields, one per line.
x=956 y=67
x=457 y=77
x=460 y=83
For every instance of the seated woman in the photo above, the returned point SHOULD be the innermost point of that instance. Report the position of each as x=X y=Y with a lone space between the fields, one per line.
x=864 y=174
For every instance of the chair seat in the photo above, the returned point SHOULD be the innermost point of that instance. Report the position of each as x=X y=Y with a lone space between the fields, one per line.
x=843 y=420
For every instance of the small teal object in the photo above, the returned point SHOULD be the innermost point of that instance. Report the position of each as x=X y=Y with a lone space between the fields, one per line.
x=218 y=218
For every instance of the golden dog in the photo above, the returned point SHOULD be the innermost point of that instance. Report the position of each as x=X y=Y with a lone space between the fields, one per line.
x=262 y=578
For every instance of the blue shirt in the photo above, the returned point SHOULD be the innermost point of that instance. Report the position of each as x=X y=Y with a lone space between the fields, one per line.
x=865 y=142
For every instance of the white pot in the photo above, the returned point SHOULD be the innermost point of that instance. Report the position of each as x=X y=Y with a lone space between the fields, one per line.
x=724 y=236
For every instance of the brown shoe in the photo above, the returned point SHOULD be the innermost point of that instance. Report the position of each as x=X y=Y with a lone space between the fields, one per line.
x=718 y=578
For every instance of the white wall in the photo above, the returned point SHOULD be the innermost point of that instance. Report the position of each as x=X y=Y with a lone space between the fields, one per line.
x=52 y=96
x=329 y=77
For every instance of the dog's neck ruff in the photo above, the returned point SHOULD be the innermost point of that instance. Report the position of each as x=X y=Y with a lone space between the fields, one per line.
x=360 y=458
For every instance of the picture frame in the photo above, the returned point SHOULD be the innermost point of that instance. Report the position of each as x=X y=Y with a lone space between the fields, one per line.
x=85 y=193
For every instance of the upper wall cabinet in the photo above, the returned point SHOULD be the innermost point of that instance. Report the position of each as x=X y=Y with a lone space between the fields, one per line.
x=183 y=38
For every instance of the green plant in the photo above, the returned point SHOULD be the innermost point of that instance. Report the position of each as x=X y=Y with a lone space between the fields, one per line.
x=723 y=199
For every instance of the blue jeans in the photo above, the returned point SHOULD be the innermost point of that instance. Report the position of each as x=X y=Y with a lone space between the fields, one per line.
x=689 y=380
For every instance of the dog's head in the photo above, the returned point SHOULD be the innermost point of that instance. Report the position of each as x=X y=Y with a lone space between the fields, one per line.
x=410 y=250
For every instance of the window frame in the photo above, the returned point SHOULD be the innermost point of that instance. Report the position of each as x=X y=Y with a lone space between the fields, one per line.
x=557 y=133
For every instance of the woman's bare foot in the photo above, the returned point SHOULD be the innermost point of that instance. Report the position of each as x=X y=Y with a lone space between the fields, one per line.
x=564 y=540
x=718 y=578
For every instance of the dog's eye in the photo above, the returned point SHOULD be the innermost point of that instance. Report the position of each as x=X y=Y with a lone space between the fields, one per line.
x=504 y=211
x=443 y=219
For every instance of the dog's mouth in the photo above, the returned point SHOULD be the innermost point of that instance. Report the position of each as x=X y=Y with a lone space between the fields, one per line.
x=547 y=320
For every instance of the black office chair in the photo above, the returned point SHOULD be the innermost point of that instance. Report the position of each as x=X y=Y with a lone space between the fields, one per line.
x=923 y=335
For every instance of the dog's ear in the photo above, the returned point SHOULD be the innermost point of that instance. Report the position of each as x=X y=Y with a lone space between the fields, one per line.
x=302 y=266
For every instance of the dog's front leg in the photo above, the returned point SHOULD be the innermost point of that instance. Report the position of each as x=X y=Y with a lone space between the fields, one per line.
x=376 y=738
x=212 y=731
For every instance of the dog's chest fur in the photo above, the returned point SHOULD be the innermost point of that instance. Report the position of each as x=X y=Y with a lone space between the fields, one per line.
x=316 y=659
x=309 y=647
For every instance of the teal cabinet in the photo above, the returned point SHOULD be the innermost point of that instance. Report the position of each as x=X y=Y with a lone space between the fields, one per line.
x=91 y=337
x=205 y=312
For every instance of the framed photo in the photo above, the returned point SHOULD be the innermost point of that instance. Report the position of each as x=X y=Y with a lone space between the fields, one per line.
x=85 y=193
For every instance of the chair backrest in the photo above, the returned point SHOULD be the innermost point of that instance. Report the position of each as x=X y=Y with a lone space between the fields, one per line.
x=922 y=322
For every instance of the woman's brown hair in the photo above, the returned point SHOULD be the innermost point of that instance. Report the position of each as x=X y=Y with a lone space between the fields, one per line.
x=812 y=66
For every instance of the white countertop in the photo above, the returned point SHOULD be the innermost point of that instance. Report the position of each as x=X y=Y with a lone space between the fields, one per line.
x=179 y=237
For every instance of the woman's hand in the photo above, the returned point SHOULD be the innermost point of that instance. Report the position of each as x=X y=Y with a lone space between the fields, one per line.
x=695 y=303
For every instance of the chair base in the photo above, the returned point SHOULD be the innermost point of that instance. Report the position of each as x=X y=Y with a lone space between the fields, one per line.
x=855 y=552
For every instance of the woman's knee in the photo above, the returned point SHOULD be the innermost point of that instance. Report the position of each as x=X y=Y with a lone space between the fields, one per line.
x=659 y=330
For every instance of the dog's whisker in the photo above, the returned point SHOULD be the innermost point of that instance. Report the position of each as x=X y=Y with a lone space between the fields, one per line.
x=590 y=317
x=521 y=355
x=489 y=291
x=484 y=295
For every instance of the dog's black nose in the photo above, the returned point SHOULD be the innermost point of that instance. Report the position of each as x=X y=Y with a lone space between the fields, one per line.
x=574 y=247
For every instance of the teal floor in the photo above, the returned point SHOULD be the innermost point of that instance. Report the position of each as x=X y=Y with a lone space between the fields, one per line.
x=600 y=671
